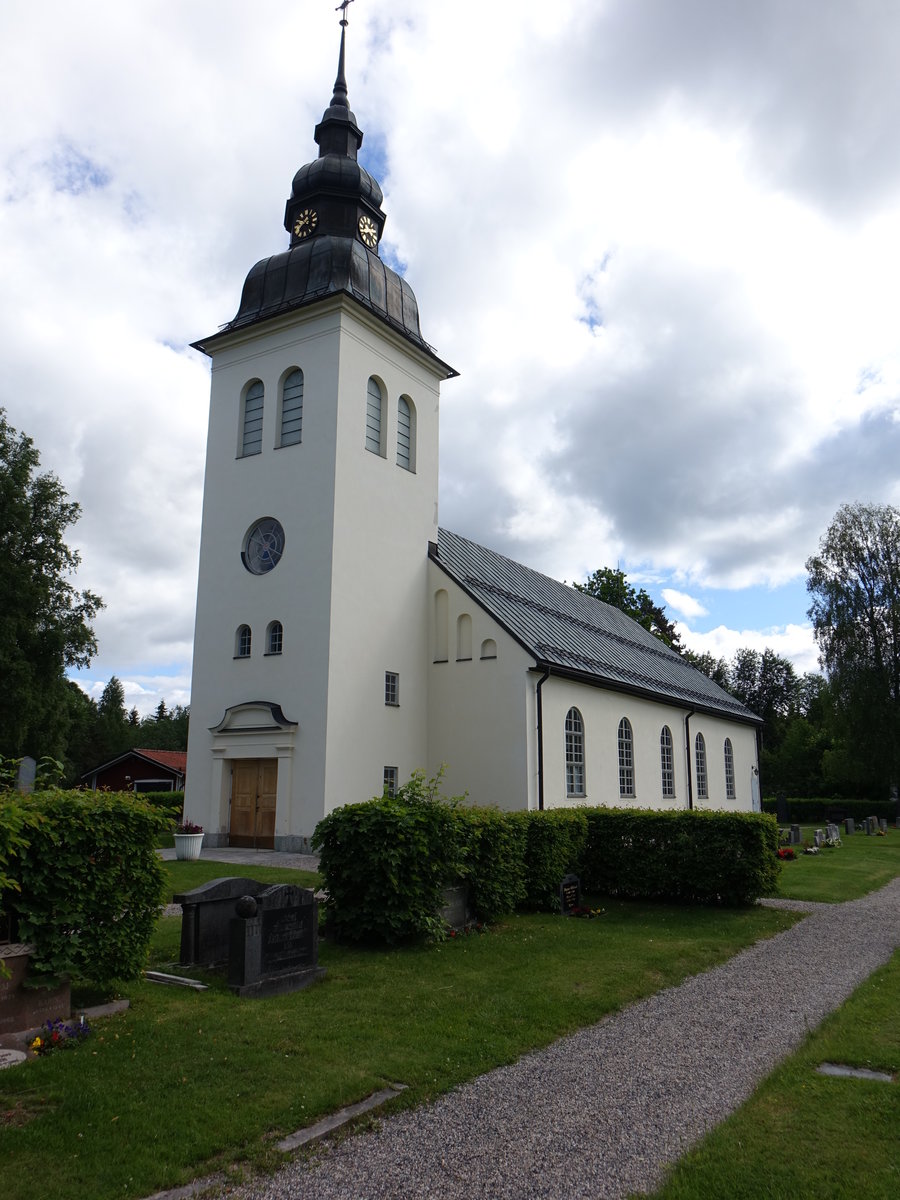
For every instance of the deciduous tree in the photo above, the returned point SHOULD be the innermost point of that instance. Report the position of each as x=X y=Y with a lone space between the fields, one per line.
x=613 y=588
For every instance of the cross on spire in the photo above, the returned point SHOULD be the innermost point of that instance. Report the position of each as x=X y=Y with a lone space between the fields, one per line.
x=342 y=8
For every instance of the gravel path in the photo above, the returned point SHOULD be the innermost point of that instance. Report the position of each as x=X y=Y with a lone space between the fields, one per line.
x=602 y=1113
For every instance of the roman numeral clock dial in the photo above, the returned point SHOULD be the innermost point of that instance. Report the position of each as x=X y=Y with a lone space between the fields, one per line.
x=368 y=232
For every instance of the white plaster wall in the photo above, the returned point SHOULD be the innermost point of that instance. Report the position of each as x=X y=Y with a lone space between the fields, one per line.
x=481 y=712
x=601 y=711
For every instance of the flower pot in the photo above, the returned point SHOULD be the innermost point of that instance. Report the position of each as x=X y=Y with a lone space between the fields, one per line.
x=187 y=846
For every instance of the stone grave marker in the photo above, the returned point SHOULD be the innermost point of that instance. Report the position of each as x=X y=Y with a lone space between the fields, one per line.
x=849 y=825
x=11 y=1058
x=455 y=907
x=569 y=895
x=783 y=814
x=795 y=835
x=833 y=832
x=819 y=837
x=871 y=824
x=274 y=942
x=882 y=824
x=206 y=918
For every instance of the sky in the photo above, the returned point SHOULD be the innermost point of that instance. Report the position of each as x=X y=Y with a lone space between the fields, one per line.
x=659 y=240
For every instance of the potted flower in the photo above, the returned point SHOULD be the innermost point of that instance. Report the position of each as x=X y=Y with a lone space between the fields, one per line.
x=188 y=840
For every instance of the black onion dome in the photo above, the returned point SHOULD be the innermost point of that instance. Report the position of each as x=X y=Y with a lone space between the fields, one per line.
x=336 y=173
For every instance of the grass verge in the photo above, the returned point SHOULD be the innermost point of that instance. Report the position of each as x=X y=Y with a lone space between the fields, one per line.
x=805 y=1136
x=185 y=1083
x=859 y=865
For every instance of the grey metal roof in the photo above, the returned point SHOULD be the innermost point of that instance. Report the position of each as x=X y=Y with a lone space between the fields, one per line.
x=576 y=634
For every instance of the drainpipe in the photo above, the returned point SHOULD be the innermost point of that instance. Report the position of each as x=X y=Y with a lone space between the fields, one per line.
x=687 y=753
x=540 y=738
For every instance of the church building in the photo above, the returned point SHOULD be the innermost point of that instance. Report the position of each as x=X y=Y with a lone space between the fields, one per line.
x=343 y=640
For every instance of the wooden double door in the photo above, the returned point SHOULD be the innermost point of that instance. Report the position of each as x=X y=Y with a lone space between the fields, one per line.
x=254 y=783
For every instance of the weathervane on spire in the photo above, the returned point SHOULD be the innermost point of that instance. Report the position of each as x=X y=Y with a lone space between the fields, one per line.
x=342 y=8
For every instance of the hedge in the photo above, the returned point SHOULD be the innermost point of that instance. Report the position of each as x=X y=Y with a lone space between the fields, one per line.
x=683 y=856
x=86 y=881
x=806 y=811
x=386 y=862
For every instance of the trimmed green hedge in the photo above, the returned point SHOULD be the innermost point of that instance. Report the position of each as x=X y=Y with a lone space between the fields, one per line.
x=386 y=862
x=806 y=811
x=86 y=882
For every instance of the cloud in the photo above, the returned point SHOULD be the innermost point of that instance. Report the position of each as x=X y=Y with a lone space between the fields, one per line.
x=683 y=603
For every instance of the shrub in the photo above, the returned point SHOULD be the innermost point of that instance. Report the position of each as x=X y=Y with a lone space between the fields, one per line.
x=684 y=856
x=88 y=884
x=555 y=844
x=806 y=810
x=492 y=860
x=385 y=863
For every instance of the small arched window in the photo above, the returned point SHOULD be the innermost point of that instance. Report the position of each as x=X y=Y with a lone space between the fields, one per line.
x=700 y=761
x=729 y=770
x=406 y=434
x=252 y=419
x=292 y=409
x=667 y=761
x=488 y=648
x=374 y=411
x=274 y=638
x=242 y=642
x=574 y=753
x=626 y=758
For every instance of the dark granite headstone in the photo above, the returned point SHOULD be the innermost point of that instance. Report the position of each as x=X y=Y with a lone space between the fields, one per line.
x=455 y=909
x=569 y=894
x=206 y=918
x=274 y=942
x=783 y=814
x=849 y=825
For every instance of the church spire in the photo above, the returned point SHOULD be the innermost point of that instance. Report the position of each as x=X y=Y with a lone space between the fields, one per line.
x=339 y=99
x=337 y=132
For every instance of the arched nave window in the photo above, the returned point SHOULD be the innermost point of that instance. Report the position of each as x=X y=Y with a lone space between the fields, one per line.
x=291 y=432
x=626 y=758
x=667 y=761
x=700 y=760
x=574 y=753
x=274 y=638
x=374 y=413
x=729 y=770
x=252 y=419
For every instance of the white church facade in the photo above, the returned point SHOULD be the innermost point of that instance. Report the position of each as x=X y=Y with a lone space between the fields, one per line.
x=342 y=639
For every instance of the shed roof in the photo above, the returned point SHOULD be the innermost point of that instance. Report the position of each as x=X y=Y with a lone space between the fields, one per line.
x=577 y=635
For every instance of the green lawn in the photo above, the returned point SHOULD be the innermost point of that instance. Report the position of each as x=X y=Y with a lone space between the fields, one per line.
x=805 y=1136
x=859 y=865
x=185 y=1082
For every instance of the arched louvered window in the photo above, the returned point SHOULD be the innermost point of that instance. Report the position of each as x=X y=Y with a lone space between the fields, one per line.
x=700 y=761
x=626 y=758
x=274 y=638
x=292 y=409
x=574 y=753
x=252 y=422
x=242 y=642
x=406 y=434
x=374 y=412
x=667 y=762
x=729 y=770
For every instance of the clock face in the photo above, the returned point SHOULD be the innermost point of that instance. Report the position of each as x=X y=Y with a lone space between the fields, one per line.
x=263 y=546
x=368 y=231
x=305 y=222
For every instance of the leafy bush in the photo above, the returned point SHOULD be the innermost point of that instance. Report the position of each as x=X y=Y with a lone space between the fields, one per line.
x=87 y=884
x=555 y=843
x=492 y=852
x=385 y=863
x=807 y=810
x=684 y=856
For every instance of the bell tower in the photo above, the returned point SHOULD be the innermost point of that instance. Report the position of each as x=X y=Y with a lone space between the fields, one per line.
x=320 y=501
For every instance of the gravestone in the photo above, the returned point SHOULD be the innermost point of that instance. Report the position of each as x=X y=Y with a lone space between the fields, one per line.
x=819 y=837
x=455 y=907
x=882 y=824
x=782 y=811
x=849 y=825
x=206 y=919
x=871 y=825
x=795 y=835
x=274 y=942
x=832 y=832
x=23 y=1006
x=26 y=775
x=569 y=895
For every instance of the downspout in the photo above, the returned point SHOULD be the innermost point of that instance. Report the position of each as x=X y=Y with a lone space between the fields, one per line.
x=687 y=753
x=540 y=738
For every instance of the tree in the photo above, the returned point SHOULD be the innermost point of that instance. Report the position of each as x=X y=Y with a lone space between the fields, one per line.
x=613 y=588
x=44 y=622
x=715 y=668
x=854 y=582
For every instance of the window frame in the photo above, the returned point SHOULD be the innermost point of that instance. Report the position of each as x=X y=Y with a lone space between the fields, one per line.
x=625 y=745
x=667 y=763
x=392 y=689
x=274 y=631
x=406 y=431
x=391 y=781
x=294 y=414
x=576 y=780
x=728 y=754
x=246 y=430
x=243 y=641
x=375 y=431
x=700 y=767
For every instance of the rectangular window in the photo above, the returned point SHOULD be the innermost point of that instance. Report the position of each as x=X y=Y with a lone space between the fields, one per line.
x=390 y=781
x=392 y=688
